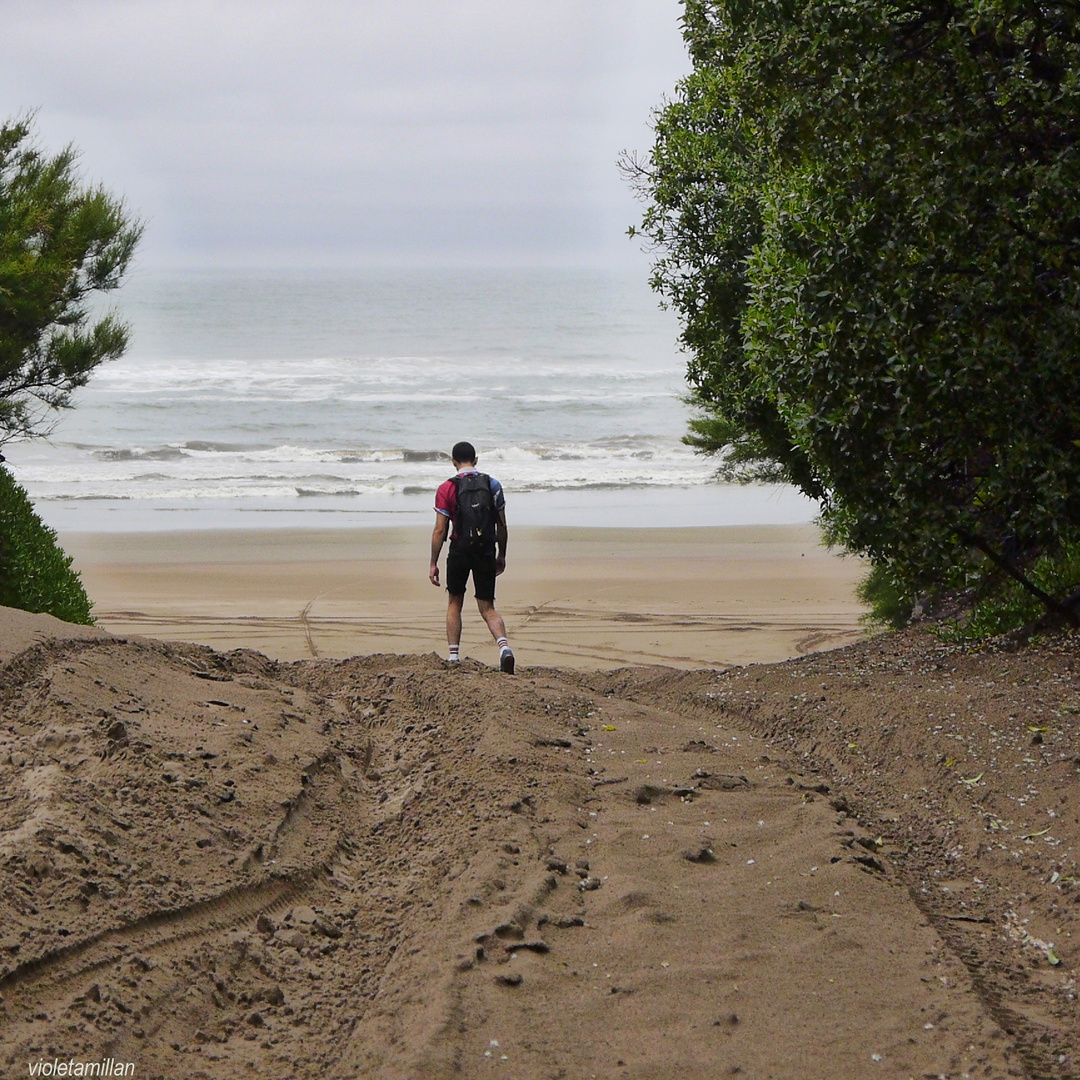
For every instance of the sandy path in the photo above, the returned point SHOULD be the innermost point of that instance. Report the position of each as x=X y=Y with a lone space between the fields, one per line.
x=732 y=931
x=376 y=868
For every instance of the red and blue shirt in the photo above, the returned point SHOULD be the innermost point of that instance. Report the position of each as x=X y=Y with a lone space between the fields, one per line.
x=446 y=496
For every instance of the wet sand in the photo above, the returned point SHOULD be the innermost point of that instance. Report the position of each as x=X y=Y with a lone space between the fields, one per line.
x=572 y=597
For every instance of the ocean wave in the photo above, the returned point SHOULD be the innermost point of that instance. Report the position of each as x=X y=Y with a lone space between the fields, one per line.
x=425 y=455
x=164 y=453
x=215 y=493
x=204 y=447
x=194 y=450
x=143 y=376
x=204 y=469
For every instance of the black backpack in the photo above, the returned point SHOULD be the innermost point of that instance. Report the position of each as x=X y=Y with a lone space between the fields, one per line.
x=474 y=522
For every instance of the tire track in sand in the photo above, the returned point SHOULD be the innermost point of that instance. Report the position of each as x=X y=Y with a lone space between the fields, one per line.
x=52 y=973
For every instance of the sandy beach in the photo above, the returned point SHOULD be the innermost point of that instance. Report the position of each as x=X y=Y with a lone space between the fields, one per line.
x=572 y=597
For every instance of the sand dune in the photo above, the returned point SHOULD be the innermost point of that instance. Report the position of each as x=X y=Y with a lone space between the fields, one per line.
x=218 y=866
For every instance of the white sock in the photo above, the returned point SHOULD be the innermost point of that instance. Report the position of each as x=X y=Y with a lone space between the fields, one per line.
x=504 y=645
x=454 y=652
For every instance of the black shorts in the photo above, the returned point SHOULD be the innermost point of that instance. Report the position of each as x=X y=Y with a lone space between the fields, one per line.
x=459 y=564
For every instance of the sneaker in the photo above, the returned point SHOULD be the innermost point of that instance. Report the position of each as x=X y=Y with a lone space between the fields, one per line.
x=506 y=662
x=453 y=659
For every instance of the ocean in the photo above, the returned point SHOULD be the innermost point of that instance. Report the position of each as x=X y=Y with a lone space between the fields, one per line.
x=263 y=398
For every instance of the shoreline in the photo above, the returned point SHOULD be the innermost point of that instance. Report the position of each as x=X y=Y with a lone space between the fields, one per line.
x=584 y=597
x=612 y=506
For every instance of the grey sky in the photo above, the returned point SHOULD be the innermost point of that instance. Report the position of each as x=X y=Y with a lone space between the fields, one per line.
x=372 y=131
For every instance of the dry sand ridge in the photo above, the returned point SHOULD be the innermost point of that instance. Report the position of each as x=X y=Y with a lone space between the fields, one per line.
x=857 y=864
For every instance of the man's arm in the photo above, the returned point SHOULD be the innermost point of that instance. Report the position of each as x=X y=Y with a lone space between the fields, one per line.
x=500 y=543
x=438 y=538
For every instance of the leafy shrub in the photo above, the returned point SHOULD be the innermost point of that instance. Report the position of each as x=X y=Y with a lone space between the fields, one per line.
x=35 y=574
x=865 y=216
x=886 y=597
x=1006 y=606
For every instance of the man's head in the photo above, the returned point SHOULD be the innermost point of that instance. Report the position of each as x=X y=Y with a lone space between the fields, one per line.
x=464 y=453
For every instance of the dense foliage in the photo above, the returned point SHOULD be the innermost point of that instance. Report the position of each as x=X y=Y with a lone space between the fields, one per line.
x=1007 y=606
x=60 y=243
x=35 y=575
x=868 y=217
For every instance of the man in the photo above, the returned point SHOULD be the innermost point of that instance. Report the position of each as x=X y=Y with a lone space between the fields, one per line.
x=476 y=506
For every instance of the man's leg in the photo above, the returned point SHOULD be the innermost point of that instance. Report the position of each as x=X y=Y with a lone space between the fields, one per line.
x=453 y=624
x=498 y=631
x=457 y=576
x=493 y=619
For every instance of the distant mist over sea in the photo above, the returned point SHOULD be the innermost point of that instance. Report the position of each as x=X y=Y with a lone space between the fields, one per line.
x=286 y=395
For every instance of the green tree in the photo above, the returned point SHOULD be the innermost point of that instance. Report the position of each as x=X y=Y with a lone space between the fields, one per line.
x=868 y=218
x=60 y=243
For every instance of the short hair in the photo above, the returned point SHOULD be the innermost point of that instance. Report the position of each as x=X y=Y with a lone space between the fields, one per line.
x=463 y=452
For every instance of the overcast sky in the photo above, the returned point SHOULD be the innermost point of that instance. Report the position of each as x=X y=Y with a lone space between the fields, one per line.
x=365 y=132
